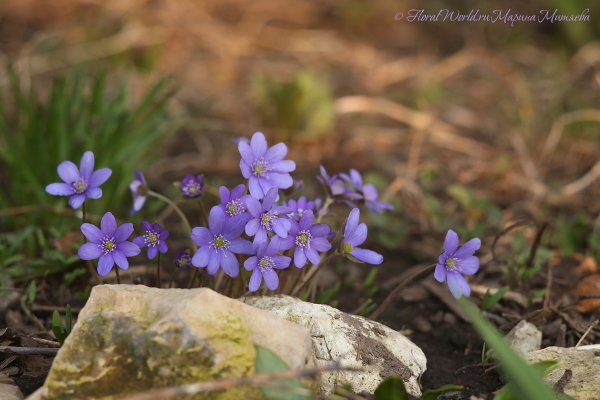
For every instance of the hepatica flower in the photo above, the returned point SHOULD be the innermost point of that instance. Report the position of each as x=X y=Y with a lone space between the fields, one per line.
x=154 y=238
x=354 y=235
x=299 y=207
x=333 y=185
x=457 y=260
x=183 y=259
x=264 y=263
x=267 y=217
x=138 y=190
x=265 y=167
x=109 y=243
x=220 y=241
x=233 y=203
x=309 y=240
x=79 y=183
x=192 y=186
x=367 y=191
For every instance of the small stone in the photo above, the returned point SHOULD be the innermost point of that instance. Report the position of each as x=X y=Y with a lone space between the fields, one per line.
x=131 y=338
x=421 y=324
x=414 y=293
x=354 y=342
x=583 y=364
x=450 y=318
x=525 y=337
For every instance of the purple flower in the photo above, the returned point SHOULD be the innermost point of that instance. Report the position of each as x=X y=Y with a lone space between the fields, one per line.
x=154 y=238
x=241 y=139
x=220 y=241
x=109 y=243
x=309 y=239
x=183 y=259
x=233 y=203
x=333 y=185
x=367 y=191
x=192 y=186
x=299 y=207
x=265 y=167
x=138 y=190
x=266 y=217
x=455 y=261
x=79 y=183
x=354 y=235
x=263 y=263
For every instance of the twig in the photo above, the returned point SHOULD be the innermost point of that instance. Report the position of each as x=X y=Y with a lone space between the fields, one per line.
x=583 y=182
x=561 y=122
x=518 y=225
x=221 y=384
x=394 y=293
x=51 y=343
x=586 y=333
x=28 y=351
x=32 y=316
x=536 y=243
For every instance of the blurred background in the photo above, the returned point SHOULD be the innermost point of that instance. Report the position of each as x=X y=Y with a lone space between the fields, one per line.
x=471 y=126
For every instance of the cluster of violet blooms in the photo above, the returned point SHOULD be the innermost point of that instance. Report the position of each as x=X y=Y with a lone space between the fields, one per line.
x=273 y=234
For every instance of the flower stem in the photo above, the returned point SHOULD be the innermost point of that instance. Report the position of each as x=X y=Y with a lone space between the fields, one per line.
x=203 y=213
x=394 y=293
x=328 y=202
x=312 y=273
x=194 y=276
x=118 y=276
x=178 y=211
x=172 y=278
x=158 y=271
x=88 y=263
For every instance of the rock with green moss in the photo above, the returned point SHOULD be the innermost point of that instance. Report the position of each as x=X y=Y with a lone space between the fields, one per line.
x=132 y=339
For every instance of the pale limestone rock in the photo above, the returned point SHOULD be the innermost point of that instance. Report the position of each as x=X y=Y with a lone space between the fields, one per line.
x=134 y=338
x=585 y=364
x=525 y=337
x=353 y=341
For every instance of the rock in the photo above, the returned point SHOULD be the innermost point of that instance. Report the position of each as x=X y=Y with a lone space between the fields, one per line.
x=354 y=342
x=584 y=363
x=525 y=337
x=133 y=338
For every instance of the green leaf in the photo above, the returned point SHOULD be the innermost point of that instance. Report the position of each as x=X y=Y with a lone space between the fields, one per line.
x=488 y=301
x=460 y=194
x=57 y=328
x=69 y=320
x=31 y=293
x=392 y=388
x=433 y=394
x=70 y=277
x=268 y=362
x=525 y=381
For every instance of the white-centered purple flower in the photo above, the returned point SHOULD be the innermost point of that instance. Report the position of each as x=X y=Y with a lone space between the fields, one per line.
x=79 y=183
x=192 y=186
x=354 y=235
x=109 y=243
x=233 y=203
x=299 y=207
x=138 y=191
x=455 y=262
x=154 y=238
x=308 y=239
x=183 y=259
x=264 y=263
x=265 y=167
x=367 y=191
x=220 y=241
x=267 y=217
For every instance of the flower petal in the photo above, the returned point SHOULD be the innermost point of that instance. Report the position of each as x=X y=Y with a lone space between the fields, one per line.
x=201 y=257
x=352 y=222
x=258 y=143
x=68 y=171
x=279 y=227
x=241 y=246
x=129 y=249
x=273 y=246
x=283 y=166
x=319 y=230
x=269 y=198
x=105 y=264
x=86 y=166
x=312 y=255
x=254 y=207
x=229 y=264
x=261 y=235
x=251 y=263
x=252 y=227
x=306 y=222
x=271 y=278
x=224 y=195
x=93 y=193
x=245 y=168
x=281 y=262
x=152 y=252
x=246 y=153
x=163 y=247
x=100 y=176
x=108 y=224
x=451 y=242
x=287 y=243
x=457 y=284
x=469 y=265
x=276 y=153
x=92 y=233
x=89 y=251
x=234 y=226
x=139 y=241
x=147 y=226
x=358 y=236
x=120 y=259
x=320 y=244
x=60 y=189
x=299 y=257
x=468 y=249
x=237 y=192
x=138 y=203
x=214 y=262
x=255 y=280
x=280 y=180
x=440 y=273
x=368 y=256
x=255 y=189
x=216 y=220
x=76 y=201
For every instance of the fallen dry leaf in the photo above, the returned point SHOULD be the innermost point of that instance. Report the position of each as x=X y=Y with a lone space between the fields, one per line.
x=588 y=287
x=588 y=264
